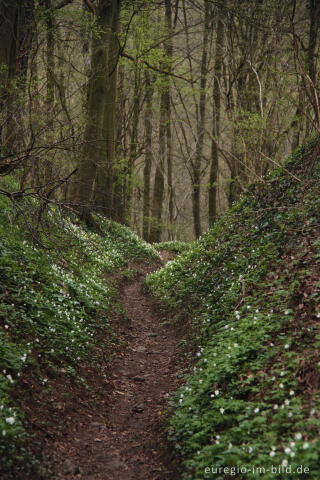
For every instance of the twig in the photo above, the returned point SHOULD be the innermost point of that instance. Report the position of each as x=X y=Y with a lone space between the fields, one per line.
x=156 y=69
x=281 y=166
x=91 y=6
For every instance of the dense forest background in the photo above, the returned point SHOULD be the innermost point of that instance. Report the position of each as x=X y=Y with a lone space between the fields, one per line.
x=157 y=114
x=127 y=130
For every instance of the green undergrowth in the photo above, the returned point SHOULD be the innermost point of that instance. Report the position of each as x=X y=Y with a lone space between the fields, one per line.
x=174 y=246
x=251 y=286
x=56 y=302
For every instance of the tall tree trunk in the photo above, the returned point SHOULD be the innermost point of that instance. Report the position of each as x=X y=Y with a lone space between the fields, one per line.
x=133 y=142
x=200 y=127
x=48 y=173
x=50 y=64
x=158 y=188
x=213 y=179
x=16 y=20
x=148 y=155
x=121 y=152
x=314 y=12
x=95 y=171
x=169 y=54
x=104 y=177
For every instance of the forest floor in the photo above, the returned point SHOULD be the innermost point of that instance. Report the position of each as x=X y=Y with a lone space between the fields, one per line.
x=124 y=437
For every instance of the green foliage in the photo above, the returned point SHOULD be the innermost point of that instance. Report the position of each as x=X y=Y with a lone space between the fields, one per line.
x=251 y=286
x=55 y=306
x=175 y=246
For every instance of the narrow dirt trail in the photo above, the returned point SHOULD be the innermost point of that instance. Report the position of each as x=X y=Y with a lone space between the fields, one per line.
x=125 y=439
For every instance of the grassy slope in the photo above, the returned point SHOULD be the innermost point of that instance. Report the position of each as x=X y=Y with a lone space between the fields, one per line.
x=55 y=311
x=252 y=287
x=174 y=246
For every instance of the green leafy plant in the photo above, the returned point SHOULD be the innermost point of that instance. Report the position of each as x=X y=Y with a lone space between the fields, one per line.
x=55 y=305
x=250 y=287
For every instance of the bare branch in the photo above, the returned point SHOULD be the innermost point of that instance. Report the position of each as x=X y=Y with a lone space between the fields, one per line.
x=154 y=68
x=91 y=6
x=281 y=166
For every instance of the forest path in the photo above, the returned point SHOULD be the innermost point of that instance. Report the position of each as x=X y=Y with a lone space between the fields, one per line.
x=128 y=441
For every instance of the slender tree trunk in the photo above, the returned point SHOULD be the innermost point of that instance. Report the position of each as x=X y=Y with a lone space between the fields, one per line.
x=50 y=64
x=169 y=54
x=158 y=188
x=213 y=179
x=133 y=142
x=200 y=127
x=237 y=103
x=48 y=173
x=314 y=12
x=297 y=124
x=119 y=181
x=148 y=156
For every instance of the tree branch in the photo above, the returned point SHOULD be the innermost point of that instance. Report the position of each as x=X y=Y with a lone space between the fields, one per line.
x=91 y=6
x=154 y=68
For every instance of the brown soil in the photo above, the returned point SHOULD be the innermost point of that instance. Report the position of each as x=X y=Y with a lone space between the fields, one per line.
x=123 y=437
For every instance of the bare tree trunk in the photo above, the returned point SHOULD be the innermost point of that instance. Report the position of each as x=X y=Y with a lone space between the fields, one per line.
x=133 y=142
x=16 y=20
x=297 y=124
x=50 y=64
x=216 y=122
x=148 y=156
x=48 y=168
x=95 y=171
x=200 y=127
x=314 y=12
x=158 y=188
x=104 y=177
x=119 y=181
x=169 y=53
